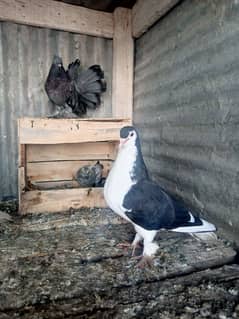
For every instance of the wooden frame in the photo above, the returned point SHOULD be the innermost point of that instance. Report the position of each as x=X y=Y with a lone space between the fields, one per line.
x=58 y=15
x=40 y=138
x=62 y=16
x=121 y=26
x=52 y=150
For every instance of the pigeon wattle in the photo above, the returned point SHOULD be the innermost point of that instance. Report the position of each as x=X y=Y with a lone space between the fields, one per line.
x=130 y=193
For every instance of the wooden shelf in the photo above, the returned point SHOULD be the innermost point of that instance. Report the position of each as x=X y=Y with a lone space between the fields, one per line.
x=59 y=131
x=50 y=153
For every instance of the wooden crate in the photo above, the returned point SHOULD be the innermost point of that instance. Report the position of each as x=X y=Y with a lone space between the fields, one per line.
x=50 y=153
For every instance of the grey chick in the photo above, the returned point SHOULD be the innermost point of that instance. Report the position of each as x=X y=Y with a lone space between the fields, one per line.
x=90 y=175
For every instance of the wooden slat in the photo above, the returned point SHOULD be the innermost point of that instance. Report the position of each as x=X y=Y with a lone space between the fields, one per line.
x=61 y=200
x=146 y=13
x=52 y=185
x=21 y=170
x=57 y=15
x=21 y=180
x=58 y=131
x=123 y=63
x=81 y=151
x=61 y=170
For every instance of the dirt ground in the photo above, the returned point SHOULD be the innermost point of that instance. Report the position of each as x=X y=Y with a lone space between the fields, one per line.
x=69 y=265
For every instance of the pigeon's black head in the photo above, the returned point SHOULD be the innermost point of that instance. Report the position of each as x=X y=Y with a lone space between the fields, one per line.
x=57 y=61
x=128 y=136
x=57 y=69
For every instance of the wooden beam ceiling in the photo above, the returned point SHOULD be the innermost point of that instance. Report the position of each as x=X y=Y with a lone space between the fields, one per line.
x=58 y=15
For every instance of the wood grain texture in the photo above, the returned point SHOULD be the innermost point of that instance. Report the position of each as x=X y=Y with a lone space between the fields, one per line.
x=81 y=151
x=58 y=131
x=146 y=13
x=58 y=15
x=61 y=200
x=21 y=170
x=55 y=150
x=123 y=64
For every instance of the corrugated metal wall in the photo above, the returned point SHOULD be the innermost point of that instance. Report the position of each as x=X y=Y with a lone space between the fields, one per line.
x=186 y=105
x=25 y=58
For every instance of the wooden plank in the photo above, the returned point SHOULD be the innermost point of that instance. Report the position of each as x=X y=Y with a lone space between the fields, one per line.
x=61 y=200
x=57 y=15
x=81 y=151
x=146 y=13
x=52 y=185
x=60 y=131
x=21 y=170
x=21 y=181
x=22 y=155
x=61 y=170
x=113 y=150
x=123 y=63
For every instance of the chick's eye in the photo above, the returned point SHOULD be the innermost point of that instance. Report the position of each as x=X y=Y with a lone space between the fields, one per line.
x=131 y=134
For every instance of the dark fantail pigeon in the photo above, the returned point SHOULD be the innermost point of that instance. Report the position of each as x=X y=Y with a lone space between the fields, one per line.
x=74 y=88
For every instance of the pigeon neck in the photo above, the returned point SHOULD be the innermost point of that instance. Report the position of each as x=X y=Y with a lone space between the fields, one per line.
x=139 y=170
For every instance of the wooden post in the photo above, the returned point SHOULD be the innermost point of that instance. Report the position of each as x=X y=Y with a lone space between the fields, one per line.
x=123 y=64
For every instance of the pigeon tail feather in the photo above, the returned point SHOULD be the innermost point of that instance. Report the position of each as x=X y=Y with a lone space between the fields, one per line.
x=89 y=85
x=195 y=225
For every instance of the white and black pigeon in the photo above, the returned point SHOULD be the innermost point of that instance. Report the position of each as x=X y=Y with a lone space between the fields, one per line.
x=130 y=193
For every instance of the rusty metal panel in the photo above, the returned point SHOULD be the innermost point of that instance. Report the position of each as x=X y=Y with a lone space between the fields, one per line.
x=186 y=105
x=25 y=58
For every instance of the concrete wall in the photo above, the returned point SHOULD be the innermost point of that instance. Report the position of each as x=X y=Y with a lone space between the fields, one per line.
x=186 y=106
x=25 y=59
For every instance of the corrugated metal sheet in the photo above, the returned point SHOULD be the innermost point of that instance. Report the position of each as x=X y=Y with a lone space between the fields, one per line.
x=25 y=58
x=186 y=105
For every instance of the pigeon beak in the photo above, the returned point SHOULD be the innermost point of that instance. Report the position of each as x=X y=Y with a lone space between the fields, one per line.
x=123 y=141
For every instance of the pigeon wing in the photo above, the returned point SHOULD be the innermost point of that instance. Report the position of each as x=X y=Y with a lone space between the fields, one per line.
x=148 y=206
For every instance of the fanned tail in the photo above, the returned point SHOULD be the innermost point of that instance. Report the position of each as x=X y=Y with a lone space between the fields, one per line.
x=87 y=87
x=90 y=84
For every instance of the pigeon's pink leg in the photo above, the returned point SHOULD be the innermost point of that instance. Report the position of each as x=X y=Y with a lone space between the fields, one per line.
x=134 y=245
